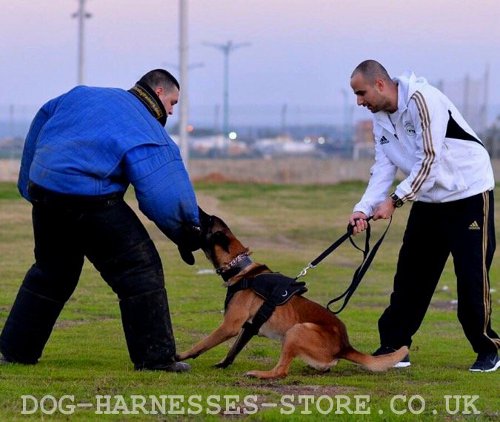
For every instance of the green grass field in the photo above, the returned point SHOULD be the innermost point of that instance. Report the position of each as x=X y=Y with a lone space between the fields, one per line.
x=85 y=372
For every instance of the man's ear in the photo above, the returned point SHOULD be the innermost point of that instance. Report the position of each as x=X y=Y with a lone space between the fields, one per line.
x=380 y=85
x=159 y=90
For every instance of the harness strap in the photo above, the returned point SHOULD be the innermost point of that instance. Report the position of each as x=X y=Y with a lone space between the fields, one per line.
x=243 y=284
x=273 y=299
x=249 y=330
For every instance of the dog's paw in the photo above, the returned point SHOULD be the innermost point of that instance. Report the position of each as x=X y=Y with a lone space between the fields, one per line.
x=183 y=356
x=186 y=355
x=222 y=364
x=266 y=375
x=252 y=374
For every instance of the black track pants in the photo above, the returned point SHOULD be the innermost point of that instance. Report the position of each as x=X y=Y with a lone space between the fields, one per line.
x=464 y=228
x=67 y=229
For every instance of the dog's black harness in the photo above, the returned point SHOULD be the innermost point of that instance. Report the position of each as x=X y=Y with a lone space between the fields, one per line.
x=276 y=290
x=272 y=287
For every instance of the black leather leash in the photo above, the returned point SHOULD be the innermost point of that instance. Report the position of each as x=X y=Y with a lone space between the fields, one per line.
x=368 y=255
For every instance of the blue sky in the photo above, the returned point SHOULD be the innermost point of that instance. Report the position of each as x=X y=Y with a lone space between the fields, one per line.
x=302 y=51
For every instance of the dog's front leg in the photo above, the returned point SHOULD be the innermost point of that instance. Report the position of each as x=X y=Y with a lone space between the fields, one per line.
x=230 y=327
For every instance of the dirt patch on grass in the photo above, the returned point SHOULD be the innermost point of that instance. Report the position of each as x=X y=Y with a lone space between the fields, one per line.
x=214 y=177
x=447 y=305
x=68 y=323
x=15 y=212
x=269 y=395
x=208 y=203
x=315 y=390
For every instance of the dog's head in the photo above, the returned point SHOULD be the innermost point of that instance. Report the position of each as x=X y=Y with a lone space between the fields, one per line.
x=218 y=243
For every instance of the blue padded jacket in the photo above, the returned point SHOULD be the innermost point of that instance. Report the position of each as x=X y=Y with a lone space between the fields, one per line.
x=97 y=141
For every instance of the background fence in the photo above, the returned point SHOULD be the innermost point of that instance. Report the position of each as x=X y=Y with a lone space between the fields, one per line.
x=286 y=130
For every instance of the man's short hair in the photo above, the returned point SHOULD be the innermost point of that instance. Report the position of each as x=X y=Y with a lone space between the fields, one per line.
x=371 y=70
x=160 y=77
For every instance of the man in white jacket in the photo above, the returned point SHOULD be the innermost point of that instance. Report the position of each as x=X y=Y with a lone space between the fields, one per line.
x=449 y=180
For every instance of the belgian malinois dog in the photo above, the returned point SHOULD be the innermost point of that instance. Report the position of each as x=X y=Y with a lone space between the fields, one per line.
x=305 y=328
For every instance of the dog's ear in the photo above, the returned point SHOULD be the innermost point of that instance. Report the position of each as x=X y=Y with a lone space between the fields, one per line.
x=221 y=239
x=202 y=213
x=204 y=217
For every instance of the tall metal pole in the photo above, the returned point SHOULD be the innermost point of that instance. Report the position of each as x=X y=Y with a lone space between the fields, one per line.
x=183 y=66
x=81 y=20
x=81 y=15
x=484 y=120
x=347 y=122
x=225 y=95
x=284 y=112
x=11 y=121
x=226 y=49
x=466 y=98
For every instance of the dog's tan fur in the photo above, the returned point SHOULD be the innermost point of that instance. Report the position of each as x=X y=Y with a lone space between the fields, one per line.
x=305 y=328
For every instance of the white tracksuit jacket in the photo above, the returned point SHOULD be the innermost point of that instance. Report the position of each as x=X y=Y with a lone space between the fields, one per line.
x=433 y=146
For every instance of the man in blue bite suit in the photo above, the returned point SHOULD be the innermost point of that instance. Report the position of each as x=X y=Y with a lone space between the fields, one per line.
x=82 y=151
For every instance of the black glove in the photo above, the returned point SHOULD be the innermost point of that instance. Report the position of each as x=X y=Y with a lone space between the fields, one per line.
x=190 y=241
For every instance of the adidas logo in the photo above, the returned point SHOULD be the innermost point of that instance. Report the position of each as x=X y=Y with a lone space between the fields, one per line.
x=383 y=140
x=474 y=226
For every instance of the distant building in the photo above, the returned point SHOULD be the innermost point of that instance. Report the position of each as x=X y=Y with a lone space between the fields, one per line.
x=491 y=139
x=363 y=143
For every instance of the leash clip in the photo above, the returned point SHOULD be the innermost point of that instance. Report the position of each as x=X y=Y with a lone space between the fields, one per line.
x=304 y=271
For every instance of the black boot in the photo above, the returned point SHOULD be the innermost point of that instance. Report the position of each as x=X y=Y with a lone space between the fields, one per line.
x=148 y=331
x=4 y=361
x=28 y=327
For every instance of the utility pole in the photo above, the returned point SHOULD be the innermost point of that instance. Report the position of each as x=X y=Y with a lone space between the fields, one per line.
x=216 y=118
x=284 y=112
x=11 y=121
x=486 y=82
x=226 y=50
x=347 y=118
x=183 y=73
x=81 y=15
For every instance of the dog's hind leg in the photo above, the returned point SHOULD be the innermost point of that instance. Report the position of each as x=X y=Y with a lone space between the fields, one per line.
x=309 y=341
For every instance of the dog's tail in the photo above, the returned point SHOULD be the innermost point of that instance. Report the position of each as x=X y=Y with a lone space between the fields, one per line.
x=376 y=363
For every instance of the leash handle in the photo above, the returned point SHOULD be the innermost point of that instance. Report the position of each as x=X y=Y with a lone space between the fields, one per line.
x=350 y=227
x=361 y=270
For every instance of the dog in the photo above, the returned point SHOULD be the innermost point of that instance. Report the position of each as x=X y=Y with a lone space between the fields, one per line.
x=305 y=328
